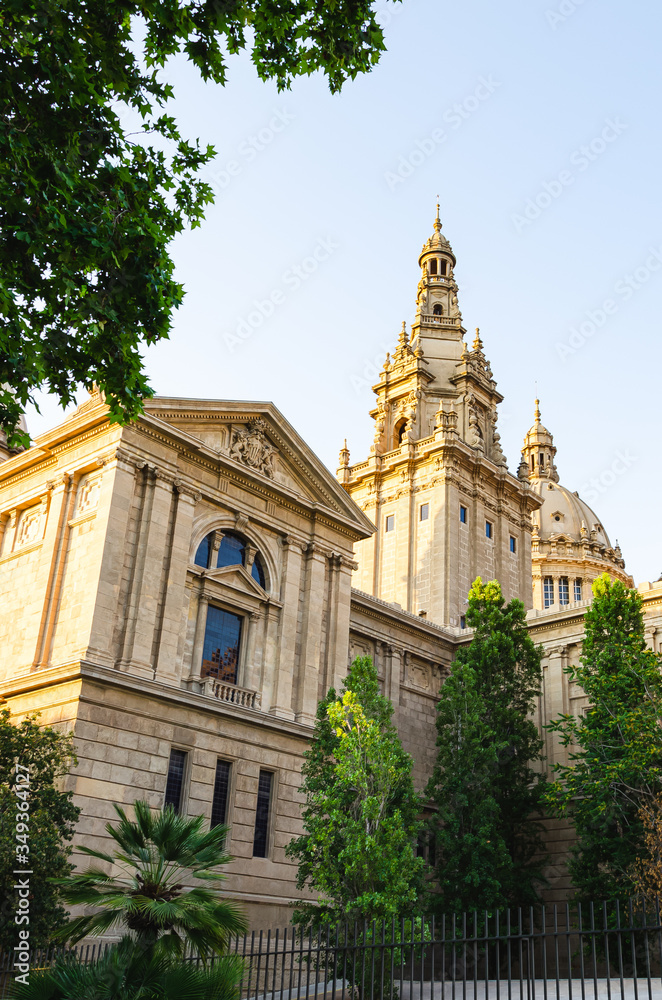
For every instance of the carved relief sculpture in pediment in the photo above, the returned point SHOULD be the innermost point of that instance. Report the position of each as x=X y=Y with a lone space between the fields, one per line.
x=249 y=446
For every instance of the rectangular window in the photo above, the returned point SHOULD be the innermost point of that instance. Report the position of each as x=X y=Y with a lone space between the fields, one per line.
x=564 y=593
x=513 y=544
x=425 y=511
x=578 y=589
x=463 y=621
x=261 y=838
x=390 y=522
x=219 y=803
x=463 y=515
x=175 y=780
x=220 y=654
x=548 y=591
x=488 y=529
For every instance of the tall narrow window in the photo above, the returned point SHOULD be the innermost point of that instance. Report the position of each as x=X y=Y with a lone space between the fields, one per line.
x=463 y=621
x=564 y=592
x=219 y=804
x=513 y=544
x=463 y=515
x=425 y=511
x=261 y=838
x=578 y=589
x=548 y=591
x=175 y=780
x=489 y=527
x=220 y=654
x=433 y=266
x=442 y=267
x=390 y=522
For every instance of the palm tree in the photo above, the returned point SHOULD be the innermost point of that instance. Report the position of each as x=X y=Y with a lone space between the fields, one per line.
x=127 y=972
x=157 y=854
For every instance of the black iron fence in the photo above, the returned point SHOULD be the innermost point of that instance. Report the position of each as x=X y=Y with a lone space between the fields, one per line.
x=567 y=952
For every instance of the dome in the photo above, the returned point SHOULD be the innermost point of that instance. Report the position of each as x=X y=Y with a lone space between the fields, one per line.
x=565 y=513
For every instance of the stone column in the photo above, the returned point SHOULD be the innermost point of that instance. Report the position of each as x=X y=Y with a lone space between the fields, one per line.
x=392 y=671
x=289 y=623
x=253 y=659
x=195 y=672
x=311 y=635
x=339 y=619
x=116 y=496
x=556 y=691
x=56 y=536
x=154 y=541
x=270 y=658
x=173 y=620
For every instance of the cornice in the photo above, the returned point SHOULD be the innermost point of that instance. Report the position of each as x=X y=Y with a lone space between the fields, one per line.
x=84 y=670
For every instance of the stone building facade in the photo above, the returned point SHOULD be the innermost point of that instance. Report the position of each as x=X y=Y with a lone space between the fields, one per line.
x=180 y=592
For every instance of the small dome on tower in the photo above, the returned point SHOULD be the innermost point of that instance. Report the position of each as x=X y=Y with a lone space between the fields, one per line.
x=538 y=453
x=436 y=244
x=570 y=547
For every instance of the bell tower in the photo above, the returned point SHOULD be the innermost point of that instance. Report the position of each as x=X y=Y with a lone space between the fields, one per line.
x=436 y=483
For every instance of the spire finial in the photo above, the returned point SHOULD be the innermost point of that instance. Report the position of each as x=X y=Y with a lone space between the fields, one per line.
x=478 y=343
x=437 y=221
x=537 y=413
x=403 y=334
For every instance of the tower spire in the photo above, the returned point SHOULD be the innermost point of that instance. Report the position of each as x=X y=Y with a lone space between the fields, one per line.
x=539 y=452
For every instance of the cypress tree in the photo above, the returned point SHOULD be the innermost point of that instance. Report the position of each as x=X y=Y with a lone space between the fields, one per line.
x=487 y=781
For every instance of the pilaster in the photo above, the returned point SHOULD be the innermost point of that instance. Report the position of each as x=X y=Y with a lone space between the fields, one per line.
x=58 y=513
x=173 y=612
x=289 y=626
x=311 y=635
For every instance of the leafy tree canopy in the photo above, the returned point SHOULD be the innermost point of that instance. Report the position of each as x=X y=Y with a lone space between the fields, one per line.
x=489 y=850
x=361 y=816
x=615 y=760
x=88 y=210
x=48 y=754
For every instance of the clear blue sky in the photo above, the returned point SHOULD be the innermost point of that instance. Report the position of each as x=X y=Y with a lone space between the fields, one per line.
x=549 y=104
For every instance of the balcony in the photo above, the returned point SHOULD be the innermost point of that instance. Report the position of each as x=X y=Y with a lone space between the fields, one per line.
x=234 y=695
x=231 y=694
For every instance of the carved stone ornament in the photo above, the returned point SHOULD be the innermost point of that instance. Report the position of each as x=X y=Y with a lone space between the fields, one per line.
x=475 y=433
x=498 y=456
x=249 y=446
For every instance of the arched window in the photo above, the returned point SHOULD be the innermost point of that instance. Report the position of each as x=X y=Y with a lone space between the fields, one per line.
x=232 y=551
x=400 y=433
x=442 y=267
x=433 y=266
x=437 y=310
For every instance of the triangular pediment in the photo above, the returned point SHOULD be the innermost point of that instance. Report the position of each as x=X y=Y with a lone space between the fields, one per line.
x=237 y=577
x=257 y=440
